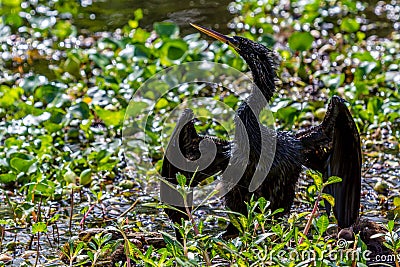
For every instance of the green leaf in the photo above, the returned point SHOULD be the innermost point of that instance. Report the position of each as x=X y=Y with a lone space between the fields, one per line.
x=44 y=188
x=70 y=176
x=167 y=29
x=231 y=100
x=101 y=60
x=300 y=41
x=333 y=81
x=138 y=14
x=39 y=227
x=14 y=20
x=47 y=93
x=80 y=111
x=322 y=224
x=8 y=96
x=72 y=65
x=21 y=165
x=390 y=225
x=329 y=198
x=86 y=177
x=162 y=103
x=7 y=178
x=11 y=3
x=181 y=179
x=263 y=203
x=349 y=25
x=317 y=177
x=110 y=117
x=333 y=180
x=62 y=29
x=396 y=201
x=30 y=83
x=133 y=24
x=172 y=51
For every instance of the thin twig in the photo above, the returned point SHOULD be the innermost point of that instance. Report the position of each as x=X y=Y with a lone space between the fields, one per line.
x=129 y=209
x=312 y=215
x=37 y=249
x=71 y=212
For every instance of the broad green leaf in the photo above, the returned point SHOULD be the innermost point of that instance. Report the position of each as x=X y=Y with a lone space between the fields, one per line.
x=80 y=111
x=231 y=100
x=110 y=117
x=161 y=103
x=263 y=203
x=349 y=25
x=322 y=224
x=396 y=201
x=300 y=41
x=138 y=14
x=181 y=179
x=317 y=177
x=7 y=178
x=14 y=19
x=390 y=225
x=333 y=180
x=47 y=93
x=21 y=165
x=333 y=81
x=329 y=198
x=39 y=227
x=100 y=60
x=63 y=29
x=70 y=177
x=72 y=65
x=11 y=3
x=29 y=84
x=86 y=177
x=167 y=29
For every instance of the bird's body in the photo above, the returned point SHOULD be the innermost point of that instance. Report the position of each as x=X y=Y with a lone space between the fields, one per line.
x=277 y=158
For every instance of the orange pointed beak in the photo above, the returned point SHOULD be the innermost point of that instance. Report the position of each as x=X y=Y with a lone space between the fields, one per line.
x=216 y=35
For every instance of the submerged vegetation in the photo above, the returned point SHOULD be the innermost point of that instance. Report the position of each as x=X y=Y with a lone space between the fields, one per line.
x=64 y=92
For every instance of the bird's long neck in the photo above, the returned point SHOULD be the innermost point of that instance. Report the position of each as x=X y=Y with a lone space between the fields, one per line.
x=263 y=71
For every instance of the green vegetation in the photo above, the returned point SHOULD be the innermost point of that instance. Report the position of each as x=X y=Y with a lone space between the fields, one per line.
x=63 y=97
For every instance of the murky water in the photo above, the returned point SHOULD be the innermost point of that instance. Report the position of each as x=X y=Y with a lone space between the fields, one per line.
x=109 y=15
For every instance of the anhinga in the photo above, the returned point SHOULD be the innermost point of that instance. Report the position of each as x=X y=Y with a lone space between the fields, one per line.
x=332 y=148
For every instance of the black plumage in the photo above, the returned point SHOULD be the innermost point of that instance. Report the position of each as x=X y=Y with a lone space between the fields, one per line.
x=272 y=169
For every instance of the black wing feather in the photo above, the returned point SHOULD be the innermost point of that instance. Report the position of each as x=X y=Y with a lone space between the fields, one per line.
x=334 y=149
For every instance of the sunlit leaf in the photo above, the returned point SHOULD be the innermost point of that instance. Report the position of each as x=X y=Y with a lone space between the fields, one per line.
x=300 y=41
x=110 y=117
x=39 y=227
x=349 y=25
x=322 y=224
x=21 y=165
x=333 y=180
x=8 y=178
x=86 y=177
x=329 y=198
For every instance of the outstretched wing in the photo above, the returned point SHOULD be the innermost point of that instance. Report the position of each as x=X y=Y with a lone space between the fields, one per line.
x=189 y=153
x=334 y=149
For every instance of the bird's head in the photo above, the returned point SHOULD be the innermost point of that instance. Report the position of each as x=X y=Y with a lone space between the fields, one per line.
x=261 y=60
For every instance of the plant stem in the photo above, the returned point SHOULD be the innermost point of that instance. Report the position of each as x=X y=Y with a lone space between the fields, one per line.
x=196 y=231
x=37 y=249
x=312 y=215
x=71 y=212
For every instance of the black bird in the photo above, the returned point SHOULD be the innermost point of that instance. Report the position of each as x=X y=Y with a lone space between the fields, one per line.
x=332 y=148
